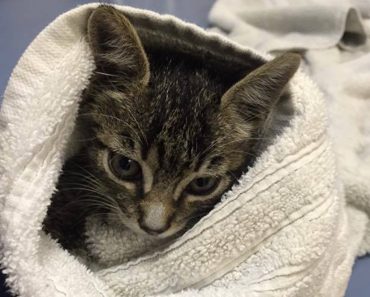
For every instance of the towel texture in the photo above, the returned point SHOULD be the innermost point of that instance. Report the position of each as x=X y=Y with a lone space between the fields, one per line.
x=334 y=38
x=285 y=230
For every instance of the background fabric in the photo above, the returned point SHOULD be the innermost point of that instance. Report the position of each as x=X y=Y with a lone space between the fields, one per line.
x=333 y=38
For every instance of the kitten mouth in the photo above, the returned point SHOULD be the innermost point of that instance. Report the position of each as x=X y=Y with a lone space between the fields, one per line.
x=172 y=231
x=153 y=232
x=134 y=226
x=169 y=233
x=159 y=234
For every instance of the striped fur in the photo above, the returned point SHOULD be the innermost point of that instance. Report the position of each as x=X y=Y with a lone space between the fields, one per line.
x=174 y=114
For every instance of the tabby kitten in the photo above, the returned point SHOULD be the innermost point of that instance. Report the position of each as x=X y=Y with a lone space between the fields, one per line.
x=166 y=135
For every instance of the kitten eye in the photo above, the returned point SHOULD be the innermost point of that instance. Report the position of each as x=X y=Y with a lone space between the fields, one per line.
x=203 y=185
x=123 y=167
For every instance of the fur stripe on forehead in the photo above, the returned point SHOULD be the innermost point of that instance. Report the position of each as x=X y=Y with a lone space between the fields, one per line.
x=183 y=105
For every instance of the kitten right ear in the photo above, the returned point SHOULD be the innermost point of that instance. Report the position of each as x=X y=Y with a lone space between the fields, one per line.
x=116 y=46
x=252 y=99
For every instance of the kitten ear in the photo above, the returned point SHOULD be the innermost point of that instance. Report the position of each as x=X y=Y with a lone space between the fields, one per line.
x=116 y=46
x=254 y=97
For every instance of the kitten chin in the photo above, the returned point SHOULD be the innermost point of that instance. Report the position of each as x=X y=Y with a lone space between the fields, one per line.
x=168 y=133
x=110 y=243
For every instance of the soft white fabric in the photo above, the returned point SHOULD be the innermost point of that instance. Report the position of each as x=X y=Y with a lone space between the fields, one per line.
x=284 y=231
x=334 y=36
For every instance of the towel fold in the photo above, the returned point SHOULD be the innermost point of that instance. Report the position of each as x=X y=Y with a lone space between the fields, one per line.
x=334 y=38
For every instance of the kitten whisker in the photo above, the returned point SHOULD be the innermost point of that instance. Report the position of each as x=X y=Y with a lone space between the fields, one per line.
x=93 y=180
x=84 y=139
x=105 y=74
x=132 y=129
x=84 y=169
x=138 y=125
x=235 y=178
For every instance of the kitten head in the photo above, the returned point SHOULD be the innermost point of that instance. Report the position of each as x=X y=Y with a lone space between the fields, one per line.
x=170 y=135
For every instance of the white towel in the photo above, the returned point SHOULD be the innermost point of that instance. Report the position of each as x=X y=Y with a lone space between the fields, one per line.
x=284 y=231
x=334 y=37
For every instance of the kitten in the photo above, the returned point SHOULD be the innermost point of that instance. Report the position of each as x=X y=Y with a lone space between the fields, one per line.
x=167 y=134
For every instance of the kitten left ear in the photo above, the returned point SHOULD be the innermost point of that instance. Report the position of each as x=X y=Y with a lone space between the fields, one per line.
x=254 y=97
x=116 y=46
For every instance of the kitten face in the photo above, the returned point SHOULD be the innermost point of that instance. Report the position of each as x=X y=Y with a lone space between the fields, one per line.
x=166 y=151
x=169 y=134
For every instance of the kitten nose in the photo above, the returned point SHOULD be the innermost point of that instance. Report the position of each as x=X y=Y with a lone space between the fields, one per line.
x=154 y=219
x=150 y=230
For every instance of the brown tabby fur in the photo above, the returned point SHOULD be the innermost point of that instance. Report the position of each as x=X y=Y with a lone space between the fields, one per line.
x=174 y=114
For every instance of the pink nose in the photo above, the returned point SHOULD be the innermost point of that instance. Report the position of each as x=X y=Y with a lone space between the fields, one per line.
x=151 y=231
x=154 y=218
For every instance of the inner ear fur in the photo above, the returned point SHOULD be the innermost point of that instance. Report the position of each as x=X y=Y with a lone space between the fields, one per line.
x=116 y=46
x=251 y=100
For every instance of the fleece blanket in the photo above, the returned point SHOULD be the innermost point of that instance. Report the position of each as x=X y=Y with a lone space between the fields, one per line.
x=284 y=230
